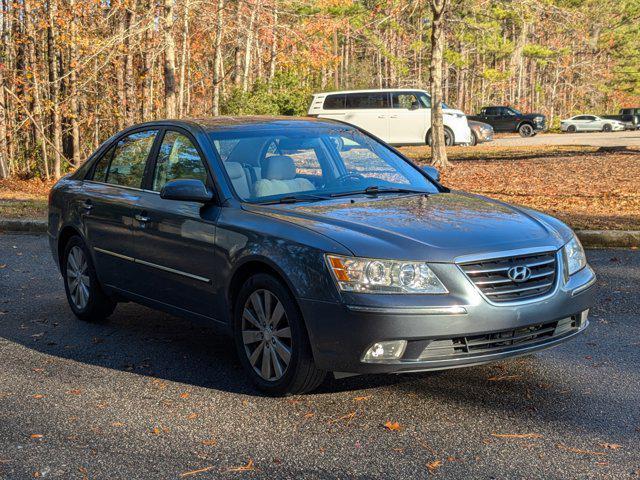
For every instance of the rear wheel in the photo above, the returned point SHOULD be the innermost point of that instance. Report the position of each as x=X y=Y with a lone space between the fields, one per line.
x=526 y=130
x=271 y=338
x=606 y=127
x=84 y=294
x=448 y=137
x=571 y=129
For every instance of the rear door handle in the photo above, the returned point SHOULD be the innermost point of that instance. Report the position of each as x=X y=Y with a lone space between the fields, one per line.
x=382 y=116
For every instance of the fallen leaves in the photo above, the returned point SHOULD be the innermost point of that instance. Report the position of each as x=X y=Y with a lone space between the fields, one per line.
x=184 y=395
x=504 y=378
x=36 y=435
x=348 y=417
x=209 y=442
x=245 y=468
x=393 y=426
x=578 y=450
x=195 y=472
x=433 y=466
x=611 y=446
x=74 y=391
x=361 y=399
x=516 y=435
x=38 y=396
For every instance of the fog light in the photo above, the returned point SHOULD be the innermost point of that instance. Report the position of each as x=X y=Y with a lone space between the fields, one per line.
x=383 y=351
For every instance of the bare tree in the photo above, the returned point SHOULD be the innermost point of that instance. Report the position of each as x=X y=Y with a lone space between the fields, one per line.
x=169 y=60
x=217 y=62
x=438 y=150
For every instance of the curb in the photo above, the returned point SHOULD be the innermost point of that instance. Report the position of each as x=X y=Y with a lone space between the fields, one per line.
x=589 y=238
x=23 y=226
x=609 y=238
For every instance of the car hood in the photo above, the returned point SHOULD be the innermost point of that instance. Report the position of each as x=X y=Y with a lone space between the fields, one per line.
x=437 y=228
x=453 y=111
x=533 y=115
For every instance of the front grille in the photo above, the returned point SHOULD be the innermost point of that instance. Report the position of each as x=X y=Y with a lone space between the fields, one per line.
x=495 y=342
x=492 y=279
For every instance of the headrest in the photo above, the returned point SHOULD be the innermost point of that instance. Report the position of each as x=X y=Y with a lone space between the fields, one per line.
x=279 y=167
x=234 y=169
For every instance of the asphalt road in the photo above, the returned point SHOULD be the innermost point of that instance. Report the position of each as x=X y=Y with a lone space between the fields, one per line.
x=596 y=139
x=148 y=395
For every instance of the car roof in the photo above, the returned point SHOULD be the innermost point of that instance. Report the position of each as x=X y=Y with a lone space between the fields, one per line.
x=373 y=90
x=248 y=122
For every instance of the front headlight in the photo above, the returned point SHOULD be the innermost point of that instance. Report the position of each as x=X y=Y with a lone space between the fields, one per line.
x=538 y=119
x=372 y=275
x=574 y=256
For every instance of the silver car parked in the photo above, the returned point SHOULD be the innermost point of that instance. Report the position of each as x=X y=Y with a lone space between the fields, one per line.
x=590 y=123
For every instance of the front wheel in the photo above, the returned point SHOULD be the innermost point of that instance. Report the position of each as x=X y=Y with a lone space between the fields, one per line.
x=271 y=338
x=474 y=139
x=448 y=137
x=526 y=130
x=571 y=129
x=606 y=127
x=84 y=294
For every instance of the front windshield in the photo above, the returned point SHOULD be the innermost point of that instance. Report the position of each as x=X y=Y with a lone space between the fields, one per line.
x=513 y=111
x=313 y=163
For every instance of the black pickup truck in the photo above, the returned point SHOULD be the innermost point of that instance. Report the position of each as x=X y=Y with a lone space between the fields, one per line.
x=507 y=119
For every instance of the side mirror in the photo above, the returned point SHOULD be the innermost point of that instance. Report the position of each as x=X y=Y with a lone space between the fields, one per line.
x=187 y=190
x=432 y=172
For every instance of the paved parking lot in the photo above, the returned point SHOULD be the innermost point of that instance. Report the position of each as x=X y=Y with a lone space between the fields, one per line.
x=148 y=395
x=595 y=139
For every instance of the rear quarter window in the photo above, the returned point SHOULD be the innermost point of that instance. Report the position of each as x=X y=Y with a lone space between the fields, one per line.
x=334 y=102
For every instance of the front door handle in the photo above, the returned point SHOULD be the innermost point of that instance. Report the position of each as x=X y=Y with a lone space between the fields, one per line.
x=382 y=116
x=142 y=217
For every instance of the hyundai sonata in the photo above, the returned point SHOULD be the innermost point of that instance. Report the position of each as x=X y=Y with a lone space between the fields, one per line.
x=317 y=247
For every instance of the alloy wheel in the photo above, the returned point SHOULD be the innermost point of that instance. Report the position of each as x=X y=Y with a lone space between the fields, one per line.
x=526 y=130
x=78 y=278
x=266 y=335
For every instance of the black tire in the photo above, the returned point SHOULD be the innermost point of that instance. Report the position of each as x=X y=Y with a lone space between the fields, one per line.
x=474 y=139
x=571 y=129
x=98 y=305
x=448 y=137
x=606 y=127
x=301 y=374
x=526 y=130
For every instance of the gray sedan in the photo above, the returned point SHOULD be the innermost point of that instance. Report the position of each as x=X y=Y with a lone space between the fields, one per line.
x=316 y=247
x=480 y=132
x=590 y=123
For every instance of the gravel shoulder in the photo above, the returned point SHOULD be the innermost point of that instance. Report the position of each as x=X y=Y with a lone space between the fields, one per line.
x=148 y=395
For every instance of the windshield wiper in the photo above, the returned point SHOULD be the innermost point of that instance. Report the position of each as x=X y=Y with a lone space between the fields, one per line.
x=374 y=190
x=295 y=199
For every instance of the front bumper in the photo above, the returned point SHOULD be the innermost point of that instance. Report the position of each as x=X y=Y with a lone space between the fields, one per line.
x=341 y=333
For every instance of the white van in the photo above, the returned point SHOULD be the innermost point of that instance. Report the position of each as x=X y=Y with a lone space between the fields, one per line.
x=397 y=116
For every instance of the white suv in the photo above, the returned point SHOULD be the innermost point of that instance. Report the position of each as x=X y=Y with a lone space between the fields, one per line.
x=397 y=116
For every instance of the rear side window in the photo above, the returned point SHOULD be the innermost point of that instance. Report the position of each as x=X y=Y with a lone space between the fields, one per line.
x=491 y=111
x=130 y=158
x=368 y=100
x=334 y=102
x=102 y=165
x=178 y=159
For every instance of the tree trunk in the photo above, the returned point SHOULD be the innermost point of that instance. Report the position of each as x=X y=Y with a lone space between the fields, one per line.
x=74 y=104
x=54 y=89
x=438 y=150
x=183 y=58
x=169 y=60
x=147 y=56
x=273 y=52
x=247 y=47
x=217 y=63
x=129 y=81
x=4 y=151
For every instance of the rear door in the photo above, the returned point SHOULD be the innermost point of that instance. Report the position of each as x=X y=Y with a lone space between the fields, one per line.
x=174 y=240
x=369 y=111
x=407 y=119
x=109 y=201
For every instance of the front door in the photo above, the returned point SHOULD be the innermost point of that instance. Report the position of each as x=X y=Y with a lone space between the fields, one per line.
x=408 y=119
x=174 y=240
